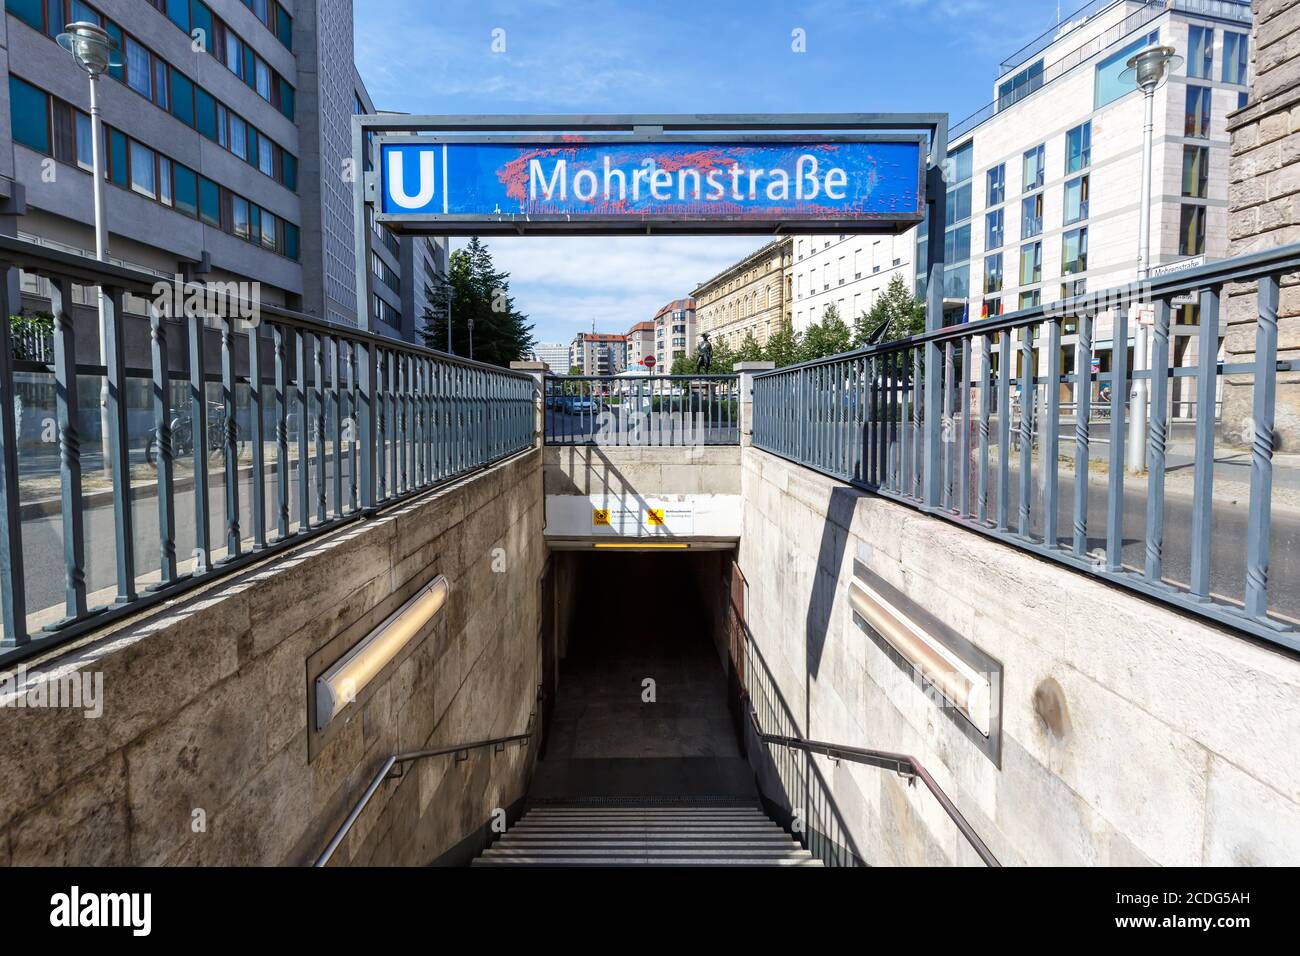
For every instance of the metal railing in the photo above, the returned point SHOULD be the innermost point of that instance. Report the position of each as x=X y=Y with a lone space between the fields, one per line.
x=642 y=410
x=338 y=421
x=394 y=767
x=901 y=764
x=919 y=420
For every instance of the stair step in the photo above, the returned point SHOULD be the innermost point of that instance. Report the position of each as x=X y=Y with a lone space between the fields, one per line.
x=648 y=851
x=713 y=860
x=549 y=845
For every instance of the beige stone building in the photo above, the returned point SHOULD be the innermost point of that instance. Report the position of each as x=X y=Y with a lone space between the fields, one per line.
x=1264 y=212
x=751 y=296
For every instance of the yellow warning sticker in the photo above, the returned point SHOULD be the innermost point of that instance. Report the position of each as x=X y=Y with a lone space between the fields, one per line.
x=655 y=517
x=600 y=517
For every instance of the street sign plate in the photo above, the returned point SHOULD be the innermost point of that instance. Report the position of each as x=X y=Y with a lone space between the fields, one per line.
x=449 y=184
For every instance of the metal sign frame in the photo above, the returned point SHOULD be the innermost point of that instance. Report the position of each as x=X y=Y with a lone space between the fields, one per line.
x=460 y=224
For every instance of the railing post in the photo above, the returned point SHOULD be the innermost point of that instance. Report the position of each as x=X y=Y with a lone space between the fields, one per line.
x=113 y=302
x=11 y=536
x=746 y=372
x=365 y=412
x=65 y=387
x=1261 y=455
x=537 y=371
x=936 y=192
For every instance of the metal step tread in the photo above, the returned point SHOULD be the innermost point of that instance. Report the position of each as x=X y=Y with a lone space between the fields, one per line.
x=713 y=860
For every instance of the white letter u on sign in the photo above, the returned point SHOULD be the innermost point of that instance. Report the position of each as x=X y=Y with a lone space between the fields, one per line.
x=397 y=183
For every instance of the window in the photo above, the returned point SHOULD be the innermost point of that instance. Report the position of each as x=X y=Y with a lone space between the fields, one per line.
x=238 y=136
x=1030 y=299
x=209 y=202
x=997 y=184
x=186 y=188
x=1107 y=85
x=1078 y=148
x=1076 y=200
x=993 y=274
x=205 y=109
x=143 y=179
x=234 y=55
x=139 y=71
x=1031 y=216
x=29 y=115
x=263 y=78
x=956 y=244
x=1236 y=50
x=1197 y=117
x=161 y=92
x=1196 y=162
x=85 y=144
x=1020 y=85
x=29 y=11
x=956 y=281
x=266 y=156
x=1031 y=263
x=1191 y=231
x=202 y=20
x=178 y=11
x=993 y=229
x=164 y=181
x=1074 y=252
x=239 y=215
x=1033 y=171
x=118 y=169
x=991 y=307
x=1200 y=52
x=958 y=206
x=268 y=230
x=962 y=160
x=182 y=98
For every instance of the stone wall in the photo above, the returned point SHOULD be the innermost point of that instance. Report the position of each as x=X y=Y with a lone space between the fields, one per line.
x=205 y=753
x=1173 y=741
x=1264 y=212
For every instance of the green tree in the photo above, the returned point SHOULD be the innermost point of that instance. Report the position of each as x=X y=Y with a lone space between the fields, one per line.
x=783 y=345
x=478 y=292
x=750 y=350
x=830 y=336
x=898 y=308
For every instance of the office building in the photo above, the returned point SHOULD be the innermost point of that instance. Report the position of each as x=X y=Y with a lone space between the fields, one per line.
x=227 y=141
x=555 y=355
x=1043 y=182
x=848 y=272
x=750 y=297
x=598 y=353
x=674 y=332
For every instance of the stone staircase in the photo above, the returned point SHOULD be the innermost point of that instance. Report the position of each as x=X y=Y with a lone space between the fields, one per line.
x=645 y=835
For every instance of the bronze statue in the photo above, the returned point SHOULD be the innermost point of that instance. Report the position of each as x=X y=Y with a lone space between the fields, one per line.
x=704 y=357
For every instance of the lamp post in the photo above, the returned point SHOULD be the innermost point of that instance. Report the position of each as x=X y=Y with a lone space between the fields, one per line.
x=92 y=48
x=1148 y=70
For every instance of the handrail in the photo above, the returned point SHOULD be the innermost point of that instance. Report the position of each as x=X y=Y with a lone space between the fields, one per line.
x=903 y=764
x=41 y=260
x=398 y=762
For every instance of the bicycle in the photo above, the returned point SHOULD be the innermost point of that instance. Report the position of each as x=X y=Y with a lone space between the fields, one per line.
x=182 y=437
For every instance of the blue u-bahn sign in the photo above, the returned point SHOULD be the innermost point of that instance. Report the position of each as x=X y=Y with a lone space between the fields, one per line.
x=845 y=182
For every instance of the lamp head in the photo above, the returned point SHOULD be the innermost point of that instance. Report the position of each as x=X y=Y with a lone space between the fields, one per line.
x=1148 y=68
x=92 y=48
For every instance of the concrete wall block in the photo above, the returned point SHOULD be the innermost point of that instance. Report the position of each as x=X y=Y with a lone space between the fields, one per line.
x=1281 y=182
x=1248 y=823
x=84 y=824
x=1276 y=24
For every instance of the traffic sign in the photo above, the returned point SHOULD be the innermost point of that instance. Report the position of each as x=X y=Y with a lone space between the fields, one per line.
x=648 y=361
x=846 y=179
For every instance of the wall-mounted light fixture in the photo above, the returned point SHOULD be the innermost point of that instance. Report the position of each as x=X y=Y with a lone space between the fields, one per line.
x=969 y=691
x=344 y=681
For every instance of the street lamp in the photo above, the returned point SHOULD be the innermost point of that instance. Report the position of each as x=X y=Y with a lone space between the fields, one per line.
x=94 y=50
x=1148 y=69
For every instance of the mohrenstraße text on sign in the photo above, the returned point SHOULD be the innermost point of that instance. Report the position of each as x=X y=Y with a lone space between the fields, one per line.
x=691 y=181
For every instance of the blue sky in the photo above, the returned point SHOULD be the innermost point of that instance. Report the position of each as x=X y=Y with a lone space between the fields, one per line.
x=565 y=56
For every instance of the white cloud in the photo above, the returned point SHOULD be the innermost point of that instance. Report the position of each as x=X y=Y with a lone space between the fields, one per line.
x=562 y=283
